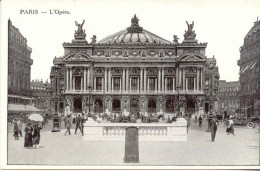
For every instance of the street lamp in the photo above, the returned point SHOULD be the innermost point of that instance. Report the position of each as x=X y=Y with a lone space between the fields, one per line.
x=89 y=88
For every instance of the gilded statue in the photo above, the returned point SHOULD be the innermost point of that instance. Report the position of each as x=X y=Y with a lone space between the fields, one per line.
x=79 y=31
x=190 y=26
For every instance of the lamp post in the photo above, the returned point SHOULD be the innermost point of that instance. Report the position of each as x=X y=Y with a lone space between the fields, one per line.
x=89 y=88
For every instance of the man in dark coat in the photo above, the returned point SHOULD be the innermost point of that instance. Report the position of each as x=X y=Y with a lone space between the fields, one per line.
x=213 y=127
x=200 y=121
x=78 y=123
x=82 y=123
x=68 y=125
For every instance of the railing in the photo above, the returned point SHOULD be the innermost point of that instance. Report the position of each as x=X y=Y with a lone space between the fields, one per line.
x=176 y=131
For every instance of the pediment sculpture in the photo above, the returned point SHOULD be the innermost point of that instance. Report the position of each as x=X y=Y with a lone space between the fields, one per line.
x=77 y=57
x=192 y=57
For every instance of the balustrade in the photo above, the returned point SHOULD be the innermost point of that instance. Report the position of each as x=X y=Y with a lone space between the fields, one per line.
x=176 y=131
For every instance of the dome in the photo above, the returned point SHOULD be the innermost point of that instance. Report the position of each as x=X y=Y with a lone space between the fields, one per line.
x=133 y=34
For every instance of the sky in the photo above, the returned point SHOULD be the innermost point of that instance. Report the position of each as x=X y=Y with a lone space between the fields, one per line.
x=223 y=24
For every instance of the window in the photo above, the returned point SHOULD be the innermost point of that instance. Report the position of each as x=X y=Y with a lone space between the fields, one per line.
x=190 y=83
x=98 y=83
x=116 y=83
x=78 y=82
x=152 y=82
x=134 y=83
x=169 y=81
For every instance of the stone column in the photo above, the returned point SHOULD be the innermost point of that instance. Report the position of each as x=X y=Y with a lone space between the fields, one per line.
x=197 y=80
x=141 y=81
x=105 y=85
x=173 y=84
x=67 y=80
x=120 y=85
x=123 y=80
x=148 y=89
x=163 y=85
x=130 y=87
x=180 y=76
x=70 y=70
x=159 y=80
x=138 y=87
x=84 y=78
x=202 y=79
x=127 y=79
x=156 y=82
x=145 y=79
x=194 y=89
x=112 y=84
x=94 y=88
x=177 y=77
x=88 y=76
x=73 y=83
x=109 y=79
x=183 y=77
x=186 y=83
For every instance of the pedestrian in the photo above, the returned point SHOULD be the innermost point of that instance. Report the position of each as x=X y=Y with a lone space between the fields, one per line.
x=213 y=127
x=15 y=130
x=82 y=123
x=36 y=135
x=200 y=121
x=68 y=125
x=78 y=121
x=28 y=136
x=20 y=125
x=64 y=120
x=230 y=127
x=187 y=117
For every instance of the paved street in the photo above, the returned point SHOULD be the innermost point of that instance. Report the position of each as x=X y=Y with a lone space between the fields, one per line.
x=57 y=149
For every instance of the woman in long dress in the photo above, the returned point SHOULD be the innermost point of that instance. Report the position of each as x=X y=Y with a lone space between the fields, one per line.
x=28 y=136
x=36 y=135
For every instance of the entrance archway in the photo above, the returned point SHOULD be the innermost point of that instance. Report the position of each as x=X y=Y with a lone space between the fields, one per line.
x=169 y=105
x=98 y=106
x=77 y=106
x=151 y=106
x=116 y=105
x=190 y=105
x=134 y=105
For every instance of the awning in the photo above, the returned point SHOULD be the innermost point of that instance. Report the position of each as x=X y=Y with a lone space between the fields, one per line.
x=22 y=97
x=23 y=108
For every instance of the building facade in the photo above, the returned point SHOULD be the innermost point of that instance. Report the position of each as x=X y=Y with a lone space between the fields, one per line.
x=228 y=96
x=133 y=71
x=19 y=67
x=41 y=93
x=249 y=78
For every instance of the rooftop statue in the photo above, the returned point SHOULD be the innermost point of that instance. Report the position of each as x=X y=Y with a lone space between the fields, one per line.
x=93 y=39
x=175 y=39
x=80 y=33
x=134 y=28
x=190 y=34
x=190 y=27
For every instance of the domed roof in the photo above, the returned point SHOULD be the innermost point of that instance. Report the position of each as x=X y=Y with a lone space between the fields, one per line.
x=133 y=34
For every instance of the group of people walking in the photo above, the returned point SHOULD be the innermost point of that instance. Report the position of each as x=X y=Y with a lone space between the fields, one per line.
x=32 y=133
x=78 y=120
